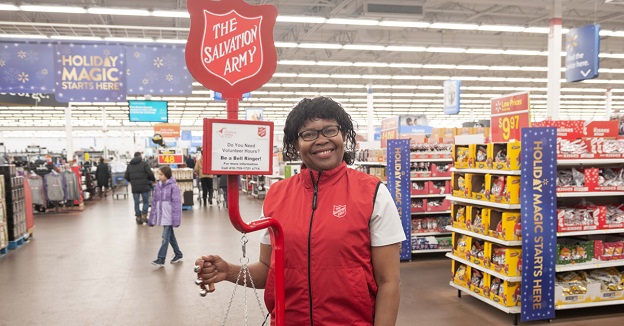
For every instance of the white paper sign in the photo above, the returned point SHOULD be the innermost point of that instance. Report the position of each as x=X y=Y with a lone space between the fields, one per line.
x=242 y=147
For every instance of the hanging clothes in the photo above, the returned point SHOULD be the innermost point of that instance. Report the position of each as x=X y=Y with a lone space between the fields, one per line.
x=71 y=185
x=54 y=186
x=36 y=189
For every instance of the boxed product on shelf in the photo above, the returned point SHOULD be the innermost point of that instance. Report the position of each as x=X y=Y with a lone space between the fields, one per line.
x=437 y=205
x=613 y=217
x=477 y=252
x=479 y=282
x=579 y=218
x=506 y=226
x=445 y=242
x=429 y=150
x=463 y=156
x=460 y=216
x=419 y=187
x=482 y=160
x=505 y=292
x=609 y=247
x=420 y=170
x=503 y=189
x=572 y=251
x=439 y=170
x=478 y=189
x=379 y=172
x=461 y=245
x=461 y=273
x=576 y=180
x=430 y=224
x=439 y=187
x=590 y=148
x=4 y=235
x=570 y=288
x=609 y=179
x=424 y=243
x=462 y=184
x=476 y=219
x=609 y=280
x=503 y=260
x=505 y=156
x=418 y=205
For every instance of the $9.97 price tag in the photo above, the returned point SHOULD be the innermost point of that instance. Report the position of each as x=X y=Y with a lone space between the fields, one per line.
x=509 y=115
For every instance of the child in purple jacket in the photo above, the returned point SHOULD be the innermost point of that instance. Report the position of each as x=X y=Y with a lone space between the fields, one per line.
x=166 y=211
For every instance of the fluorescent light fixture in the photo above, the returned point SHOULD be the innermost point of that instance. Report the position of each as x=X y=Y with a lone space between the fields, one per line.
x=296 y=62
x=393 y=23
x=485 y=51
x=532 y=68
x=170 y=41
x=438 y=66
x=345 y=76
x=376 y=77
x=405 y=48
x=363 y=47
x=76 y=38
x=611 y=55
x=334 y=63
x=313 y=75
x=617 y=34
x=522 y=52
x=370 y=64
x=327 y=46
x=284 y=74
x=345 y=21
x=129 y=39
x=285 y=45
x=501 y=28
x=405 y=65
x=538 y=30
x=171 y=13
x=468 y=27
x=23 y=36
x=61 y=9
x=8 y=7
x=445 y=50
x=301 y=19
x=117 y=11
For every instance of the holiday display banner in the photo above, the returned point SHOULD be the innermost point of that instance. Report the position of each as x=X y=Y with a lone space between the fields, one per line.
x=238 y=147
x=157 y=70
x=230 y=47
x=26 y=68
x=539 y=222
x=509 y=114
x=30 y=99
x=90 y=72
x=398 y=172
x=582 y=49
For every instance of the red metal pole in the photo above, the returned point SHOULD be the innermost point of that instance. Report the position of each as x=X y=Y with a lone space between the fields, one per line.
x=272 y=224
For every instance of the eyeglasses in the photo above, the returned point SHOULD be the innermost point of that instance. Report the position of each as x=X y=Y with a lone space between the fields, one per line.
x=328 y=132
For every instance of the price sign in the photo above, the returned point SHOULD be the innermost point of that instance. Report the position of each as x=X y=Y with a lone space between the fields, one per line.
x=170 y=156
x=509 y=115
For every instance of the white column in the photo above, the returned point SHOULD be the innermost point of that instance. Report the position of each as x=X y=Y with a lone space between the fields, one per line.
x=554 y=61
x=608 y=104
x=370 y=109
x=105 y=131
x=68 y=133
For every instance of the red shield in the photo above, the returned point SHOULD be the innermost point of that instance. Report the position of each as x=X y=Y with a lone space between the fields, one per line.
x=262 y=131
x=230 y=48
x=340 y=211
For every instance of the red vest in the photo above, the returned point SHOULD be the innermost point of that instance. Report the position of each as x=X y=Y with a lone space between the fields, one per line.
x=329 y=274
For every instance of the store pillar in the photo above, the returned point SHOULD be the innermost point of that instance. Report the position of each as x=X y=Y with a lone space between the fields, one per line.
x=68 y=133
x=554 y=61
x=105 y=131
x=370 y=109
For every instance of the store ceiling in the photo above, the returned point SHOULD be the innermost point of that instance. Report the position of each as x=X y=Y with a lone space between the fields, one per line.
x=502 y=51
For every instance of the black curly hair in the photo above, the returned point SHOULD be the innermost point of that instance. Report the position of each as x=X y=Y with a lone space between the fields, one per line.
x=318 y=108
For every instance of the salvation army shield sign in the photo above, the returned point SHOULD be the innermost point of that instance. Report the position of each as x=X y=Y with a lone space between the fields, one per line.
x=230 y=48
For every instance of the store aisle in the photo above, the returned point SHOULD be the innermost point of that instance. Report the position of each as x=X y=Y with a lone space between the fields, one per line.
x=93 y=268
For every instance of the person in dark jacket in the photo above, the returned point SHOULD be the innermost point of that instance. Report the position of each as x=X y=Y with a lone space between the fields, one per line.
x=140 y=177
x=190 y=162
x=103 y=175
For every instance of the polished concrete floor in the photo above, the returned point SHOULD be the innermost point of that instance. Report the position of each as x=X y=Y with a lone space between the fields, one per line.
x=93 y=268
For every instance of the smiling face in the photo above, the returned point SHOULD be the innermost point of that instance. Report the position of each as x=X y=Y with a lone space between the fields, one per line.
x=322 y=153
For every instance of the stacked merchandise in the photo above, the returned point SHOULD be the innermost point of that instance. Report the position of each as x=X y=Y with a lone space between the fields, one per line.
x=371 y=161
x=486 y=225
x=14 y=202
x=184 y=179
x=4 y=233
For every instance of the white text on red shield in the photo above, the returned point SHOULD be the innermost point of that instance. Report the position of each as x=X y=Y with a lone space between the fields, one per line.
x=232 y=44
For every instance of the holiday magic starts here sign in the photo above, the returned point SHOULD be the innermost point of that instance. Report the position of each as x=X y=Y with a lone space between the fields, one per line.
x=230 y=48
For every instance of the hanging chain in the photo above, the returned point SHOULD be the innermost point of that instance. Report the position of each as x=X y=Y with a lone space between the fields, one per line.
x=245 y=273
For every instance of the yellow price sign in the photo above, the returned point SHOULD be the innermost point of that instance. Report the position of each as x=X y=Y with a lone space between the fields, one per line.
x=170 y=159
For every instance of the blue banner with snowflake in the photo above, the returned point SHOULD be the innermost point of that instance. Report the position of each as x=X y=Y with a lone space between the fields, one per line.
x=158 y=70
x=539 y=222
x=26 y=68
x=90 y=73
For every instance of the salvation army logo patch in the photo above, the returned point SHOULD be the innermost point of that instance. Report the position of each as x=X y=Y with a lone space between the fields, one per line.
x=262 y=131
x=340 y=211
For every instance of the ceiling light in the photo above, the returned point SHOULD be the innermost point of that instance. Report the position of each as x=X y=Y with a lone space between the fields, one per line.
x=28 y=36
x=472 y=67
x=501 y=28
x=129 y=39
x=363 y=47
x=297 y=62
x=61 y=9
x=344 y=76
x=285 y=45
x=405 y=65
x=522 y=52
x=76 y=38
x=539 y=30
x=284 y=74
x=171 y=13
x=171 y=41
x=301 y=19
x=116 y=11
x=314 y=75
x=343 y=21
x=485 y=51
x=8 y=7
x=454 y=26
x=370 y=64
x=327 y=46
x=391 y=23
x=438 y=66
x=405 y=48
x=335 y=63
x=445 y=50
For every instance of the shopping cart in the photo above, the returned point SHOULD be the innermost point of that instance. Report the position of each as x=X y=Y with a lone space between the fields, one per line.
x=120 y=186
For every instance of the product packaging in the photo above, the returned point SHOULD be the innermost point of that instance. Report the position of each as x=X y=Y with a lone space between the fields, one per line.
x=503 y=189
x=462 y=185
x=503 y=260
x=482 y=160
x=506 y=226
x=505 y=292
x=505 y=156
x=460 y=216
x=478 y=189
x=461 y=273
x=479 y=282
x=464 y=156
x=461 y=245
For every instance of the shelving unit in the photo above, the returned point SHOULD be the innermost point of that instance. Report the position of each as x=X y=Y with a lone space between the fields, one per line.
x=589 y=194
x=426 y=234
x=429 y=196
x=485 y=270
x=431 y=213
x=485 y=171
x=509 y=310
x=431 y=179
x=485 y=237
x=595 y=263
x=589 y=304
x=423 y=251
x=483 y=203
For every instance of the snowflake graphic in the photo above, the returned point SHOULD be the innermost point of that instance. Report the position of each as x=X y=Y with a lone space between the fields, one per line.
x=44 y=72
x=23 y=77
x=137 y=54
x=21 y=54
x=145 y=81
x=2 y=63
x=169 y=77
x=107 y=52
x=158 y=62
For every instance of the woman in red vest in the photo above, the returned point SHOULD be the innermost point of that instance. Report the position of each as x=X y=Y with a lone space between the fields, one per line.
x=341 y=229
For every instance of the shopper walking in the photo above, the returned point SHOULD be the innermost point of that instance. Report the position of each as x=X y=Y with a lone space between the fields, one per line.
x=341 y=228
x=167 y=212
x=205 y=179
x=190 y=162
x=223 y=186
x=103 y=177
x=140 y=176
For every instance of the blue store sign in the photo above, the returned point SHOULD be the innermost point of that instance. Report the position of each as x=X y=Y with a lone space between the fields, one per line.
x=452 y=92
x=582 y=49
x=398 y=172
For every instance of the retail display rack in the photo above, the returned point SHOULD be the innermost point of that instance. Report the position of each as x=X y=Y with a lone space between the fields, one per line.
x=13 y=229
x=184 y=179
